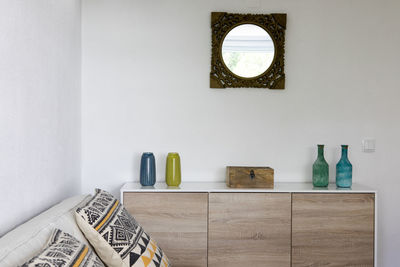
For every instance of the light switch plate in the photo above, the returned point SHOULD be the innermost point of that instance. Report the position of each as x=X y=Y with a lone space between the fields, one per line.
x=369 y=145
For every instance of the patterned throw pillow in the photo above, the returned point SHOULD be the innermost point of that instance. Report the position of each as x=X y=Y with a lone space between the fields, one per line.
x=65 y=250
x=116 y=236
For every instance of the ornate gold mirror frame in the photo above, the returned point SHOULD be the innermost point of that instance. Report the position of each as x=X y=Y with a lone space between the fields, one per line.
x=273 y=24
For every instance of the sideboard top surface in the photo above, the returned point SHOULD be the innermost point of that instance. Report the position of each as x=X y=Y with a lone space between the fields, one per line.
x=210 y=187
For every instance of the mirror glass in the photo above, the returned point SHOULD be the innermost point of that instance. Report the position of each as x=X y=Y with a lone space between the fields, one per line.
x=248 y=50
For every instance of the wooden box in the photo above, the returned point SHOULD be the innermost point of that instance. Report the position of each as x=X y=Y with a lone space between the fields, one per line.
x=249 y=177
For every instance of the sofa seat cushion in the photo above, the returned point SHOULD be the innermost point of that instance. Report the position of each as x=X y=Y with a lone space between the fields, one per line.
x=116 y=236
x=27 y=240
x=65 y=250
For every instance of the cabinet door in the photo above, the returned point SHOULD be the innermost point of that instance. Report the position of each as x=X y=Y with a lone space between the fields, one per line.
x=176 y=221
x=249 y=229
x=333 y=230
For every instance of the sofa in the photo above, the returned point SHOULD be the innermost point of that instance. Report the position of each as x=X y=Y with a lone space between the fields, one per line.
x=28 y=239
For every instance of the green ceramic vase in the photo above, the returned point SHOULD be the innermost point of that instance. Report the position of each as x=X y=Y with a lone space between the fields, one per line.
x=320 y=169
x=173 y=170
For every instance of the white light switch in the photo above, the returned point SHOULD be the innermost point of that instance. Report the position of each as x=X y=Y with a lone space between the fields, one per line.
x=368 y=145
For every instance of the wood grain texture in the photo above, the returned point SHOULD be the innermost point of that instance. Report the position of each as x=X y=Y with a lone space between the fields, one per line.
x=249 y=229
x=333 y=230
x=249 y=177
x=176 y=221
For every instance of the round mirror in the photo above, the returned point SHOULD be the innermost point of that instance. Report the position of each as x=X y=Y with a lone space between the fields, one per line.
x=248 y=50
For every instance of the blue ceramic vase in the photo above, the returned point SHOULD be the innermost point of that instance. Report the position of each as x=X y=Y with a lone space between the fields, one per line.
x=344 y=170
x=147 y=169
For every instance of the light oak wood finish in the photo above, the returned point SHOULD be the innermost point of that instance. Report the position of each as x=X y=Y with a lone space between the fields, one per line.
x=249 y=229
x=177 y=221
x=332 y=229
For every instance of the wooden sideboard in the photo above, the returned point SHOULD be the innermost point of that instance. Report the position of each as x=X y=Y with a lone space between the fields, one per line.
x=209 y=224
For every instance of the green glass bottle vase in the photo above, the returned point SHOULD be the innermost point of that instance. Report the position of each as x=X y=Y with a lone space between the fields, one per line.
x=320 y=169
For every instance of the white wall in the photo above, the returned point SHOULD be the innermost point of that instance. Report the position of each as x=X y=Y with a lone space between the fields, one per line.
x=146 y=88
x=39 y=106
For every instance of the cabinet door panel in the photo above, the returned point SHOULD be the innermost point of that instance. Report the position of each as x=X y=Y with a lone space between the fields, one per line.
x=176 y=221
x=249 y=229
x=333 y=230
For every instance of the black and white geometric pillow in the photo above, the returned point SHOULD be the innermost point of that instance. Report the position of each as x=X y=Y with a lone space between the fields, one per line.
x=65 y=250
x=116 y=236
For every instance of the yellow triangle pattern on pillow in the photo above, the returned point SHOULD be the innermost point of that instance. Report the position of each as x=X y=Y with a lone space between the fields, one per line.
x=151 y=257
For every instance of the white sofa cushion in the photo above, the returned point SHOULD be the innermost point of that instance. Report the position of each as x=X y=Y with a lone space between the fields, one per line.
x=29 y=239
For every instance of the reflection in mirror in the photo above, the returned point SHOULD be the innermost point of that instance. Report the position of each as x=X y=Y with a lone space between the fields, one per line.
x=248 y=50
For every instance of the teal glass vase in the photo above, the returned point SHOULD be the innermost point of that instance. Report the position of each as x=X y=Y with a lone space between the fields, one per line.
x=344 y=170
x=320 y=175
